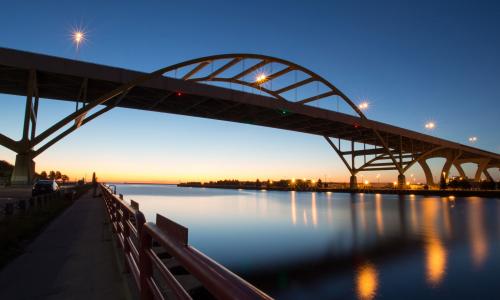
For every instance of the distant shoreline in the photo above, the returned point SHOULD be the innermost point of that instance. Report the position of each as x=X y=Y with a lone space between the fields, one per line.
x=145 y=183
x=443 y=193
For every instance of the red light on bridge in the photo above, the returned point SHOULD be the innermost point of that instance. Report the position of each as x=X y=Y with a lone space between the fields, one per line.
x=179 y=94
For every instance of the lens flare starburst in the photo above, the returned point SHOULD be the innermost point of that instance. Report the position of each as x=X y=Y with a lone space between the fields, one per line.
x=260 y=78
x=78 y=36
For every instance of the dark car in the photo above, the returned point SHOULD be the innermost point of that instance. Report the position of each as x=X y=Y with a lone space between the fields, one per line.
x=44 y=187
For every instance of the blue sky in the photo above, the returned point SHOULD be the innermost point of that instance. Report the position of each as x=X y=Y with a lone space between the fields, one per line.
x=414 y=61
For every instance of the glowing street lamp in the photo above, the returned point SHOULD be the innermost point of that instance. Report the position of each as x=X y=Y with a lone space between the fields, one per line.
x=430 y=125
x=260 y=78
x=363 y=105
x=472 y=139
x=78 y=36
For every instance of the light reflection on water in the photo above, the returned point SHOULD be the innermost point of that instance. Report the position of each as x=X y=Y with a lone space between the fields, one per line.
x=301 y=245
x=366 y=281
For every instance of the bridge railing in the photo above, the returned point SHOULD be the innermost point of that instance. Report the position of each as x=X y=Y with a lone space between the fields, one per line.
x=163 y=264
x=126 y=223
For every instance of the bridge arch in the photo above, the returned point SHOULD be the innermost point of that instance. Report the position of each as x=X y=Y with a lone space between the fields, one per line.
x=231 y=60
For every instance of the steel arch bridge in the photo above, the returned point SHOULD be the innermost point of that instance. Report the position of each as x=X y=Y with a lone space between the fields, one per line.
x=262 y=91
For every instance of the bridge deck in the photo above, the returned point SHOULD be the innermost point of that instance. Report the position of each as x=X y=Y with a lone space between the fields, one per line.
x=72 y=259
x=59 y=78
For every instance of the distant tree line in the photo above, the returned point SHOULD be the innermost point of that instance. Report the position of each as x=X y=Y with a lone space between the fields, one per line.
x=298 y=184
x=466 y=184
x=54 y=175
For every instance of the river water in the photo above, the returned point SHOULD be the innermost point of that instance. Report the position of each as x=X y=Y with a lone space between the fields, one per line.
x=307 y=245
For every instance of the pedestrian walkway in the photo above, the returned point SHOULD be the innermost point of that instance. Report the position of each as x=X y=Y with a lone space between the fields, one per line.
x=73 y=258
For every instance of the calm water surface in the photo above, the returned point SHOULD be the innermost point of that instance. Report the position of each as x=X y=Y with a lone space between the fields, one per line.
x=303 y=245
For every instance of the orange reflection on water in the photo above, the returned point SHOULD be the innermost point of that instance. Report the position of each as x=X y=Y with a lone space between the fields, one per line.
x=361 y=209
x=479 y=241
x=379 y=215
x=446 y=216
x=314 y=211
x=366 y=281
x=305 y=217
x=294 y=207
x=436 y=260
x=413 y=214
x=436 y=255
x=330 y=209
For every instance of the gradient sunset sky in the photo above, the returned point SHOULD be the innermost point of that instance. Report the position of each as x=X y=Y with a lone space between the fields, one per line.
x=414 y=61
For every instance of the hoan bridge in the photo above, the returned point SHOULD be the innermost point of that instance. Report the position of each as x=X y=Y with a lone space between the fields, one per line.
x=222 y=87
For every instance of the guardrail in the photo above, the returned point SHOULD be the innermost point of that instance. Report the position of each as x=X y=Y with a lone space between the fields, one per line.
x=162 y=263
x=13 y=207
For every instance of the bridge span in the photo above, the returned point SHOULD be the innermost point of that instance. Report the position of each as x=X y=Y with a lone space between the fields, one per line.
x=195 y=88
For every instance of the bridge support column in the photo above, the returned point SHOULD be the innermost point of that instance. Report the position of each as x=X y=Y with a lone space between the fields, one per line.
x=24 y=170
x=427 y=171
x=488 y=175
x=460 y=170
x=353 y=182
x=451 y=158
x=401 y=181
x=481 y=167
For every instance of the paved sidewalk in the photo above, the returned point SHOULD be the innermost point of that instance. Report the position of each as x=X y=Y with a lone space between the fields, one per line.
x=73 y=258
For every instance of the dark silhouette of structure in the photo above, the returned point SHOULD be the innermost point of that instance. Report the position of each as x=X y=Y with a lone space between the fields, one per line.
x=96 y=89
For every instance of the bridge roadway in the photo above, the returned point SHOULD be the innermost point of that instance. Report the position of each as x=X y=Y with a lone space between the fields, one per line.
x=382 y=146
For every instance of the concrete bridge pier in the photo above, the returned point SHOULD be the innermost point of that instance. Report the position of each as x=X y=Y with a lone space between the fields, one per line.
x=353 y=182
x=401 y=181
x=24 y=170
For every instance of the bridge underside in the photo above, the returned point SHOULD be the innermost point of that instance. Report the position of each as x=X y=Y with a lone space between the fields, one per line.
x=380 y=146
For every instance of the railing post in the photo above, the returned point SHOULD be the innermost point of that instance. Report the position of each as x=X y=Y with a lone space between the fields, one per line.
x=112 y=213
x=126 y=233
x=118 y=221
x=145 y=265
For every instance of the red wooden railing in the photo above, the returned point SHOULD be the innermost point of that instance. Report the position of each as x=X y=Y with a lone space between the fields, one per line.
x=155 y=254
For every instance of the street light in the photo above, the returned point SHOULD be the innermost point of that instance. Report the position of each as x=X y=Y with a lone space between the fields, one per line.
x=78 y=36
x=363 y=105
x=260 y=78
x=430 y=125
x=472 y=139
